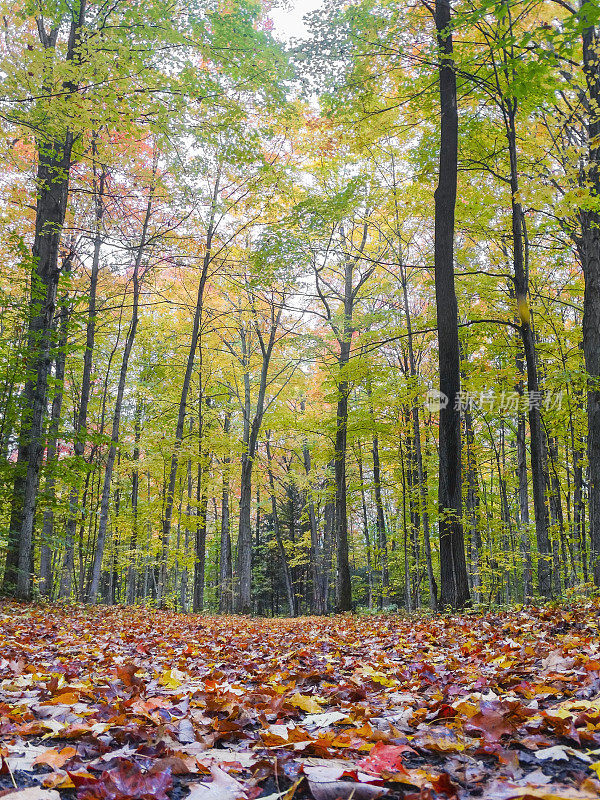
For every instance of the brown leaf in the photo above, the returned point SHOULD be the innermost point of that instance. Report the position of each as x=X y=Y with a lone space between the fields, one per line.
x=56 y=758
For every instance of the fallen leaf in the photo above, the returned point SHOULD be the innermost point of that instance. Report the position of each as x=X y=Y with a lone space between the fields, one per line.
x=305 y=702
x=222 y=787
x=56 y=758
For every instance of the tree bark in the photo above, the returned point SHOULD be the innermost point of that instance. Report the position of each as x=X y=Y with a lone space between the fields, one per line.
x=112 y=452
x=589 y=249
x=225 y=562
x=287 y=576
x=189 y=367
x=343 y=586
x=47 y=543
x=453 y=568
x=99 y=182
x=380 y=518
x=318 y=603
x=521 y=281
x=250 y=435
x=366 y=531
x=132 y=570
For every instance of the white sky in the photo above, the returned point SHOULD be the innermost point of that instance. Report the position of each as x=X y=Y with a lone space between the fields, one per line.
x=287 y=19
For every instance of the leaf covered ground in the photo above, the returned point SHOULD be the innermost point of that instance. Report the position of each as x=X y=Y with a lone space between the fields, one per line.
x=112 y=704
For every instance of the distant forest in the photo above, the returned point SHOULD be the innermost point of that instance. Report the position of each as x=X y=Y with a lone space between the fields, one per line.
x=300 y=328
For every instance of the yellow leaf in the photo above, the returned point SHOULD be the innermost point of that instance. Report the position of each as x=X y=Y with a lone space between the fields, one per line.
x=596 y=767
x=170 y=679
x=378 y=677
x=305 y=702
x=523 y=310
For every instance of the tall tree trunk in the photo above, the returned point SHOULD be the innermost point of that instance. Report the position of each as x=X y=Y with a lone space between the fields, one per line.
x=343 y=333
x=287 y=576
x=53 y=171
x=328 y=543
x=183 y=589
x=201 y=505
x=318 y=604
x=114 y=441
x=200 y=547
x=589 y=249
x=380 y=519
x=453 y=567
x=523 y=489
x=99 y=181
x=472 y=502
x=225 y=562
x=185 y=388
x=245 y=537
x=343 y=586
x=47 y=543
x=250 y=435
x=405 y=490
x=366 y=532
x=521 y=280
x=132 y=570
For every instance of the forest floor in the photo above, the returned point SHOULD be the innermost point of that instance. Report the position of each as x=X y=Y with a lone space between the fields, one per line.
x=115 y=703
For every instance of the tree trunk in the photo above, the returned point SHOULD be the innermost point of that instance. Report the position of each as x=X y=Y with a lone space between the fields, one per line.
x=289 y=587
x=472 y=502
x=86 y=384
x=318 y=604
x=533 y=387
x=453 y=568
x=366 y=532
x=245 y=536
x=589 y=249
x=112 y=452
x=250 y=435
x=200 y=548
x=53 y=171
x=189 y=367
x=132 y=570
x=380 y=519
x=343 y=586
x=225 y=562
x=47 y=544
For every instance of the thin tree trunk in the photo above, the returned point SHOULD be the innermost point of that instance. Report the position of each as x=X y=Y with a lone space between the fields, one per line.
x=202 y=506
x=47 y=544
x=318 y=603
x=250 y=435
x=86 y=384
x=132 y=570
x=225 y=563
x=533 y=388
x=472 y=502
x=168 y=514
x=110 y=462
x=381 y=531
x=287 y=576
x=343 y=596
x=366 y=531
x=405 y=531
